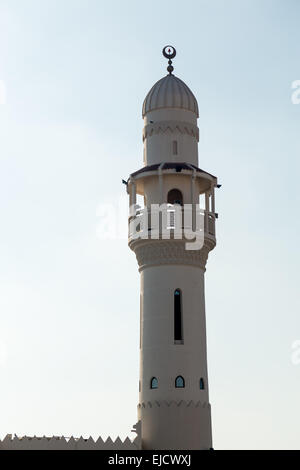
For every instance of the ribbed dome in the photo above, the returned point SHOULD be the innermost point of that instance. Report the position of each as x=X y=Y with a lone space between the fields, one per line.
x=170 y=92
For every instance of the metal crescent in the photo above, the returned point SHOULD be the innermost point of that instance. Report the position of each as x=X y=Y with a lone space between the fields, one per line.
x=169 y=56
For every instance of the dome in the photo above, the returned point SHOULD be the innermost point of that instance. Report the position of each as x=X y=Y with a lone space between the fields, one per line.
x=170 y=92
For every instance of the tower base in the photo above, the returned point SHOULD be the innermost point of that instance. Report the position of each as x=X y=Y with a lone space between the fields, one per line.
x=175 y=425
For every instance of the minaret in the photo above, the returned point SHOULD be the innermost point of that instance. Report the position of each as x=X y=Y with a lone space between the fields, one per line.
x=174 y=407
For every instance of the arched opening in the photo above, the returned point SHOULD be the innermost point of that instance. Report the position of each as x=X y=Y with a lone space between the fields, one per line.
x=179 y=382
x=175 y=197
x=202 y=384
x=177 y=316
x=154 y=383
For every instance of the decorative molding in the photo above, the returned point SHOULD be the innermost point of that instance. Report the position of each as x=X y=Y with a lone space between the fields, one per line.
x=165 y=252
x=174 y=404
x=162 y=127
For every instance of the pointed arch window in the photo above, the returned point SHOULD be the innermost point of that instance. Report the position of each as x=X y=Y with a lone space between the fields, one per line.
x=179 y=382
x=202 y=387
x=178 y=338
x=154 y=383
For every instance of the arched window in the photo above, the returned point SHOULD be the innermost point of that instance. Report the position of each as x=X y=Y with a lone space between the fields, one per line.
x=179 y=382
x=202 y=384
x=177 y=316
x=154 y=383
x=175 y=197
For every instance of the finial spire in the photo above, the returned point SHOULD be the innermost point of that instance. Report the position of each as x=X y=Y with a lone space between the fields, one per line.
x=169 y=52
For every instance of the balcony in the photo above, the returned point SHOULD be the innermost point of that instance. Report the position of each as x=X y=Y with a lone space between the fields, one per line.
x=169 y=221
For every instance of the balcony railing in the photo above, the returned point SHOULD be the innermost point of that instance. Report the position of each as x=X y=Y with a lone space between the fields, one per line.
x=175 y=220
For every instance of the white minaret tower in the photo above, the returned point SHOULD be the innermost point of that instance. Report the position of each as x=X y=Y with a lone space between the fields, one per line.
x=174 y=407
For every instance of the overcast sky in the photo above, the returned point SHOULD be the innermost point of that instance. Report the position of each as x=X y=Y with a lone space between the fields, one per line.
x=73 y=77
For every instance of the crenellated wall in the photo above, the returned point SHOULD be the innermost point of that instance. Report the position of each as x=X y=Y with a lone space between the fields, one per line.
x=62 y=443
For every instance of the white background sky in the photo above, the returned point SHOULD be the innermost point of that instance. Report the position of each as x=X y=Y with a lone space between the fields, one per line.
x=76 y=73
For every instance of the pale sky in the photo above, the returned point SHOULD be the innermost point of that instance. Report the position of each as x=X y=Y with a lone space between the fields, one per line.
x=75 y=74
